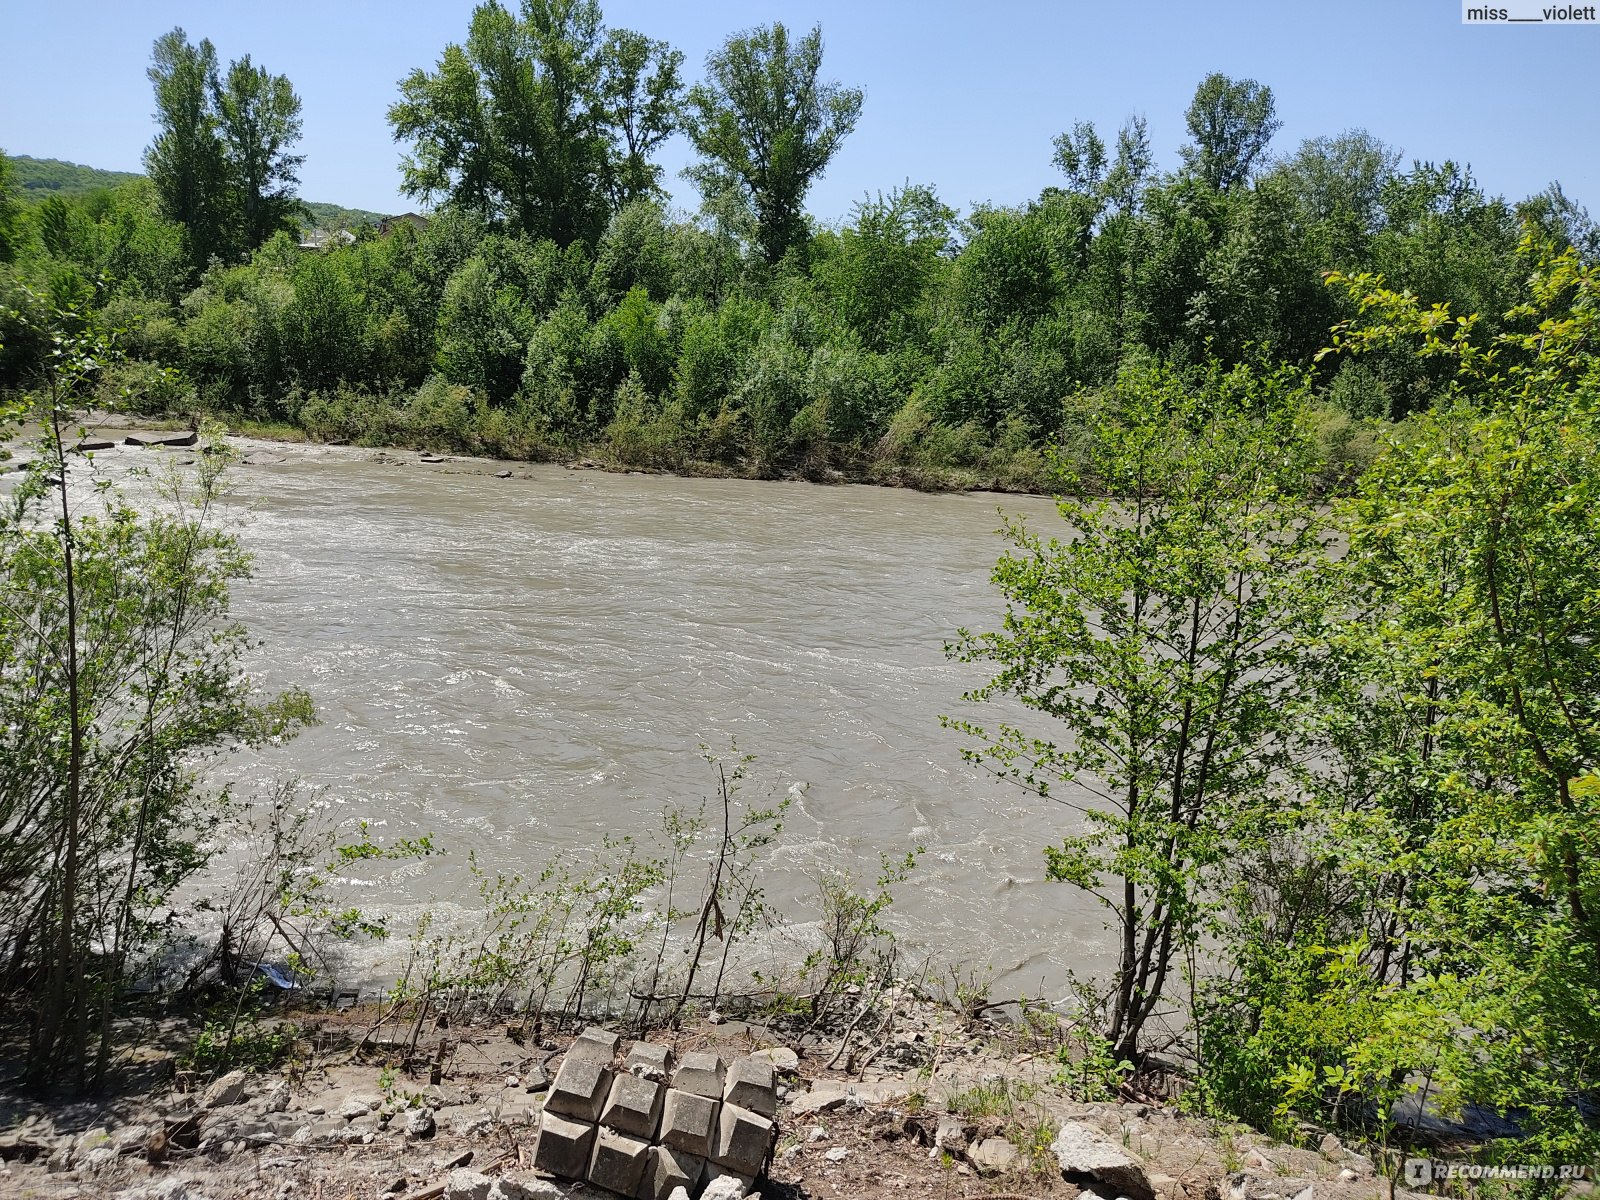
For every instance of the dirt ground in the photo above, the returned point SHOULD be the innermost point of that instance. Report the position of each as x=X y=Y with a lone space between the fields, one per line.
x=952 y=1112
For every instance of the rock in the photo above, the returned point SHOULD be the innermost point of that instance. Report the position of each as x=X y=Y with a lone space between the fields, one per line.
x=397 y=1185
x=467 y=1185
x=951 y=1135
x=277 y=1100
x=524 y=1187
x=784 y=1060
x=618 y=1162
x=750 y=1084
x=1348 y=1176
x=225 y=1091
x=715 y=1018
x=679 y=1193
x=580 y=1089
x=687 y=1121
x=724 y=1185
x=633 y=1107
x=90 y=445
x=700 y=1074
x=502 y=474
x=667 y=1169
x=1330 y=1146
x=816 y=1134
x=430 y=458
x=994 y=1156
x=837 y=1154
x=563 y=1147
x=534 y=1079
x=1086 y=1155
x=649 y=1060
x=741 y=1141
x=356 y=1106
x=419 y=1124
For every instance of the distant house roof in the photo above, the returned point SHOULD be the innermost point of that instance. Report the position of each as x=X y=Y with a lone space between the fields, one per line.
x=321 y=239
x=416 y=220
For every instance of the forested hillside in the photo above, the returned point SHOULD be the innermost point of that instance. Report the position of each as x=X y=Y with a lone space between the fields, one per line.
x=554 y=305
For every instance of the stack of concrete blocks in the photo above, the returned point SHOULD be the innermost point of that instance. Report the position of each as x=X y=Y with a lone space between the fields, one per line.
x=645 y=1128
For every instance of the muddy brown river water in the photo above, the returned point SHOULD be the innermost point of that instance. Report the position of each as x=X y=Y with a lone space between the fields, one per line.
x=519 y=666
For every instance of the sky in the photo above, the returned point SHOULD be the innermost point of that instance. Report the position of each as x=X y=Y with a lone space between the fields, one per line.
x=966 y=97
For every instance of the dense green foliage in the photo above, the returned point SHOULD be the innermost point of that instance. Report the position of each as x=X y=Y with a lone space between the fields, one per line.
x=552 y=306
x=120 y=676
x=1348 y=791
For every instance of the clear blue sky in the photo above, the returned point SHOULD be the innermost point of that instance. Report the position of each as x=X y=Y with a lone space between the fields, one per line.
x=963 y=96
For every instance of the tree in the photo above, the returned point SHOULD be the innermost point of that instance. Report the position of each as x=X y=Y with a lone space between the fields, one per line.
x=539 y=120
x=258 y=115
x=641 y=83
x=11 y=226
x=767 y=127
x=119 y=674
x=1231 y=122
x=1081 y=156
x=1165 y=635
x=187 y=162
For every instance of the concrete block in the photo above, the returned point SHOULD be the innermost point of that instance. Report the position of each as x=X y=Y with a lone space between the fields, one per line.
x=564 y=1147
x=719 y=1183
x=667 y=1169
x=650 y=1060
x=700 y=1074
x=687 y=1122
x=633 y=1107
x=595 y=1043
x=618 y=1162
x=751 y=1084
x=741 y=1141
x=580 y=1089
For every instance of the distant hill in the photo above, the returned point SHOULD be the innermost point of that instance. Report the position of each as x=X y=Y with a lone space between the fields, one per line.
x=39 y=178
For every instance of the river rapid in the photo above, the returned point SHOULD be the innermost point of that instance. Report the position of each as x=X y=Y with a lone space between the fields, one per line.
x=520 y=667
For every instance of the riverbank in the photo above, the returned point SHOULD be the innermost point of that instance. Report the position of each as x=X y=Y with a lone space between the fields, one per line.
x=953 y=1106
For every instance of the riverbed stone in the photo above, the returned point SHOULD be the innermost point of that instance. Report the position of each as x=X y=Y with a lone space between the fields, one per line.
x=667 y=1169
x=618 y=1161
x=687 y=1121
x=1086 y=1155
x=225 y=1091
x=741 y=1140
x=700 y=1074
x=649 y=1060
x=633 y=1106
x=596 y=1043
x=750 y=1084
x=723 y=1184
x=564 y=1147
x=580 y=1089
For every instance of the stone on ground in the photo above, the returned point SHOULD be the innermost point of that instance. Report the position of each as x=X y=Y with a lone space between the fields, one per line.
x=618 y=1162
x=784 y=1060
x=669 y=1169
x=993 y=1156
x=741 y=1140
x=225 y=1091
x=467 y=1185
x=563 y=1147
x=722 y=1184
x=650 y=1060
x=1086 y=1155
x=580 y=1089
x=633 y=1107
x=750 y=1083
x=701 y=1074
x=687 y=1121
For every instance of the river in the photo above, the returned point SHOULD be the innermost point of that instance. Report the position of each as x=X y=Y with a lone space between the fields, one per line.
x=521 y=666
